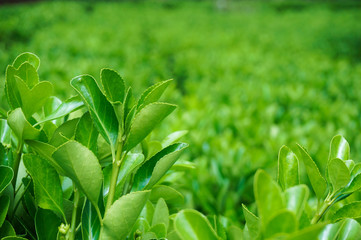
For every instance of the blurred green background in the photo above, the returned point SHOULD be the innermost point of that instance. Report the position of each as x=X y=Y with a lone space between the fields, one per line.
x=249 y=76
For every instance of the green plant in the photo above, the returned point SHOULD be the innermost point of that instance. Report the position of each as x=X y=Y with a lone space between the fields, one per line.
x=89 y=168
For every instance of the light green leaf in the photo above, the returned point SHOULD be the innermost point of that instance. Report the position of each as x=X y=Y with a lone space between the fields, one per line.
x=12 y=92
x=169 y=194
x=338 y=173
x=4 y=206
x=349 y=230
x=27 y=57
x=161 y=213
x=351 y=210
x=154 y=169
x=6 y=175
x=5 y=133
x=65 y=108
x=100 y=109
x=128 y=103
x=252 y=222
x=48 y=193
x=268 y=196
x=146 y=120
x=6 y=230
x=122 y=215
x=21 y=127
x=28 y=74
x=46 y=224
x=81 y=165
x=86 y=133
x=288 y=175
x=310 y=232
x=113 y=84
x=339 y=148
x=283 y=222
x=296 y=199
x=153 y=93
x=159 y=230
x=147 y=212
x=318 y=183
x=173 y=137
x=192 y=225
x=64 y=132
x=353 y=186
x=330 y=232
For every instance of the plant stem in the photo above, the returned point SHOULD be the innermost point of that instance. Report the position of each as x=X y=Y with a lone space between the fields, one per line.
x=19 y=152
x=114 y=177
x=71 y=233
x=324 y=207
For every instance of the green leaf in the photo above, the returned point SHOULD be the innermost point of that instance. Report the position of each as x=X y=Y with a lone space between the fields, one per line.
x=349 y=230
x=147 y=212
x=128 y=103
x=268 y=196
x=192 y=225
x=310 y=232
x=6 y=230
x=122 y=215
x=5 y=132
x=351 y=210
x=338 y=173
x=288 y=175
x=28 y=74
x=339 y=148
x=353 y=186
x=86 y=133
x=113 y=84
x=27 y=57
x=146 y=120
x=153 y=169
x=252 y=222
x=153 y=93
x=330 y=232
x=45 y=151
x=65 y=108
x=296 y=199
x=161 y=213
x=4 y=206
x=46 y=224
x=7 y=175
x=318 y=183
x=159 y=230
x=21 y=127
x=64 y=132
x=283 y=222
x=169 y=194
x=81 y=165
x=48 y=192
x=173 y=137
x=11 y=89
x=100 y=109
x=90 y=224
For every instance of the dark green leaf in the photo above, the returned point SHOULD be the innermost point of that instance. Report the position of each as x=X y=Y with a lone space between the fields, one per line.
x=6 y=230
x=86 y=133
x=287 y=168
x=6 y=175
x=113 y=84
x=27 y=57
x=90 y=224
x=146 y=120
x=4 y=206
x=64 y=132
x=46 y=224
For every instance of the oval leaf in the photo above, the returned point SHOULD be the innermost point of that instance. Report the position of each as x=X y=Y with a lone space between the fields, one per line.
x=27 y=57
x=4 y=206
x=338 y=173
x=6 y=175
x=288 y=175
x=339 y=148
x=351 y=210
x=283 y=222
x=153 y=93
x=113 y=84
x=21 y=127
x=296 y=199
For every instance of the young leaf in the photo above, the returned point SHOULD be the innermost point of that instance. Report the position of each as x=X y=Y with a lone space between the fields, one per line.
x=283 y=222
x=252 y=222
x=64 y=132
x=192 y=225
x=86 y=133
x=339 y=148
x=146 y=120
x=351 y=210
x=27 y=57
x=338 y=173
x=4 y=206
x=113 y=84
x=153 y=93
x=318 y=183
x=268 y=196
x=161 y=214
x=5 y=132
x=150 y=172
x=173 y=137
x=21 y=127
x=12 y=92
x=159 y=230
x=6 y=175
x=46 y=224
x=100 y=109
x=81 y=165
x=169 y=194
x=28 y=74
x=287 y=168
x=122 y=215
x=48 y=193
x=296 y=199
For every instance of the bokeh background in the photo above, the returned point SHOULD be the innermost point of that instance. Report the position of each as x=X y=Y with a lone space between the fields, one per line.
x=249 y=76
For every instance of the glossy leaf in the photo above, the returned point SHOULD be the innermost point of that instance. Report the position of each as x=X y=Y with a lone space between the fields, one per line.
x=21 y=127
x=122 y=215
x=86 y=133
x=338 y=173
x=146 y=120
x=4 y=206
x=296 y=199
x=283 y=222
x=288 y=175
x=81 y=165
x=5 y=132
x=318 y=183
x=153 y=93
x=351 y=210
x=161 y=213
x=64 y=132
x=153 y=169
x=46 y=224
x=113 y=84
x=100 y=109
x=28 y=74
x=268 y=196
x=173 y=137
x=339 y=148
x=252 y=222
x=6 y=230
x=65 y=108
x=169 y=194
x=330 y=232
x=349 y=230
x=192 y=225
x=27 y=57
x=6 y=175
x=90 y=224
x=353 y=186
x=48 y=192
